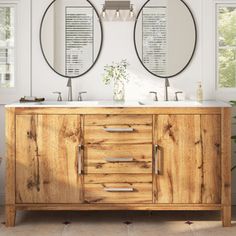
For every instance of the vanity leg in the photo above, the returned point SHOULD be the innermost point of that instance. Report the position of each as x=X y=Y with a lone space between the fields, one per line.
x=226 y=216
x=10 y=216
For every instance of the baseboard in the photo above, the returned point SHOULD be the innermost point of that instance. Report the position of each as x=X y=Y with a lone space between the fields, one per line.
x=2 y=199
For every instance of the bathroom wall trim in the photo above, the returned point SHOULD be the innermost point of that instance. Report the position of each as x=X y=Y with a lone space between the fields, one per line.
x=22 y=52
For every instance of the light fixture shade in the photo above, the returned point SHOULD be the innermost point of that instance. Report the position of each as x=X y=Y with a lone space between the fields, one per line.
x=103 y=12
x=117 y=11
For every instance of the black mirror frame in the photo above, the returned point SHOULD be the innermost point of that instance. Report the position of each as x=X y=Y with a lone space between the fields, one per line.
x=41 y=45
x=194 y=49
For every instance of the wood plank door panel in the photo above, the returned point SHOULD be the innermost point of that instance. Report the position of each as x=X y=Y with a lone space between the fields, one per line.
x=180 y=159
x=211 y=151
x=46 y=159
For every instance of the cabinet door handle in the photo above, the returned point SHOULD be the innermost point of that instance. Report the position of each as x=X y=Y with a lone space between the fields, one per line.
x=119 y=189
x=156 y=160
x=119 y=130
x=114 y=159
x=80 y=156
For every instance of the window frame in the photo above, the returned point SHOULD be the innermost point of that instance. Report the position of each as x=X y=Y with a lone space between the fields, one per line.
x=9 y=94
x=219 y=4
x=14 y=6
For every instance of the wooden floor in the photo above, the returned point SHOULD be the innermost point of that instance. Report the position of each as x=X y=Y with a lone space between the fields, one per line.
x=117 y=224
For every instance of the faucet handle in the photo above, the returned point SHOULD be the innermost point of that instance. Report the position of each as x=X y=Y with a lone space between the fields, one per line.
x=155 y=93
x=80 y=98
x=59 y=98
x=176 y=95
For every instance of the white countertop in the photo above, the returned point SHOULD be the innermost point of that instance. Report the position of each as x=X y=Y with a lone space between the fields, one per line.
x=130 y=104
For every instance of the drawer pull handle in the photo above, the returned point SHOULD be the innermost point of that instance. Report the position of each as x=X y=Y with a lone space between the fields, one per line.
x=119 y=189
x=156 y=160
x=113 y=159
x=80 y=150
x=119 y=130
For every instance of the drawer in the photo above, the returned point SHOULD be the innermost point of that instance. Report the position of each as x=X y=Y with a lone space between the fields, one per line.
x=105 y=129
x=123 y=189
x=118 y=158
x=117 y=134
x=104 y=120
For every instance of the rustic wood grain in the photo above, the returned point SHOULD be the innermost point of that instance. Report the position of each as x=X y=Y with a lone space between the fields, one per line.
x=10 y=153
x=194 y=151
x=226 y=166
x=226 y=216
x=10 y=167
x=154 y=177
x=95 y=193
x=118 y=178
x=118 y=111
x=95 y=158
x=10 y=211
x=46 y=159
x=95 y=184
x=142 y=134
x=104 y=120
x=211 y=165
x=119 y=207
x=179 y=140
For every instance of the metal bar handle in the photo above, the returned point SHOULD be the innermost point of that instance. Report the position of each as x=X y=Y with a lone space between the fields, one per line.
x=120 y=130
x=119 y=189
x=156 y=157
x=114 y=159
x=80 y=150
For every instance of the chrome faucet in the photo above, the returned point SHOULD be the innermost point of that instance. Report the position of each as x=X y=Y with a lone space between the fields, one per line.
x=176 y=95
x=155 y=95
x=167 y=84
x=80 y=98
x=69 y=85
x=59 y=98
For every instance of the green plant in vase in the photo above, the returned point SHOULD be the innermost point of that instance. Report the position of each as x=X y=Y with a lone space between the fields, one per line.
x=233 y=103
x=117 y=72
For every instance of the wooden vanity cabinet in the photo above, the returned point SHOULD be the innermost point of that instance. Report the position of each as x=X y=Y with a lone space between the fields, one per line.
x=118 y=159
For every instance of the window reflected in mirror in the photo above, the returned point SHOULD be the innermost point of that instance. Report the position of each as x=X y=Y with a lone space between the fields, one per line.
x=71 y=37
x=165 y=37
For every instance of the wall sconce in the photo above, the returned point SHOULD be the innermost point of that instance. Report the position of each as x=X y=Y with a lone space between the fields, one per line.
x=117 y=10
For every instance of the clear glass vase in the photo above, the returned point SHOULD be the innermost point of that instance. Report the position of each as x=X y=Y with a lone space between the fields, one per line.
x=119 y=90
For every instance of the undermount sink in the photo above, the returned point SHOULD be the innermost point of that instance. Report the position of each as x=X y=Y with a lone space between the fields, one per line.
x=169 y=103
x=87 y=103
x=68 y=103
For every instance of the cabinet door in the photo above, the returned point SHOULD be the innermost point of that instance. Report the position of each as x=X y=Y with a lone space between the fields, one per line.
x=180 y=159
x=46 y=159
x=211 y=154
x=189 y=159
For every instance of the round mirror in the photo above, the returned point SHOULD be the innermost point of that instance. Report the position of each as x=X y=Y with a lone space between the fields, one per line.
x=71 y=37
x=165 y=37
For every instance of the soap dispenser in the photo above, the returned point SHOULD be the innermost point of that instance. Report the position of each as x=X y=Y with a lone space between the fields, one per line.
x=199 y=92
